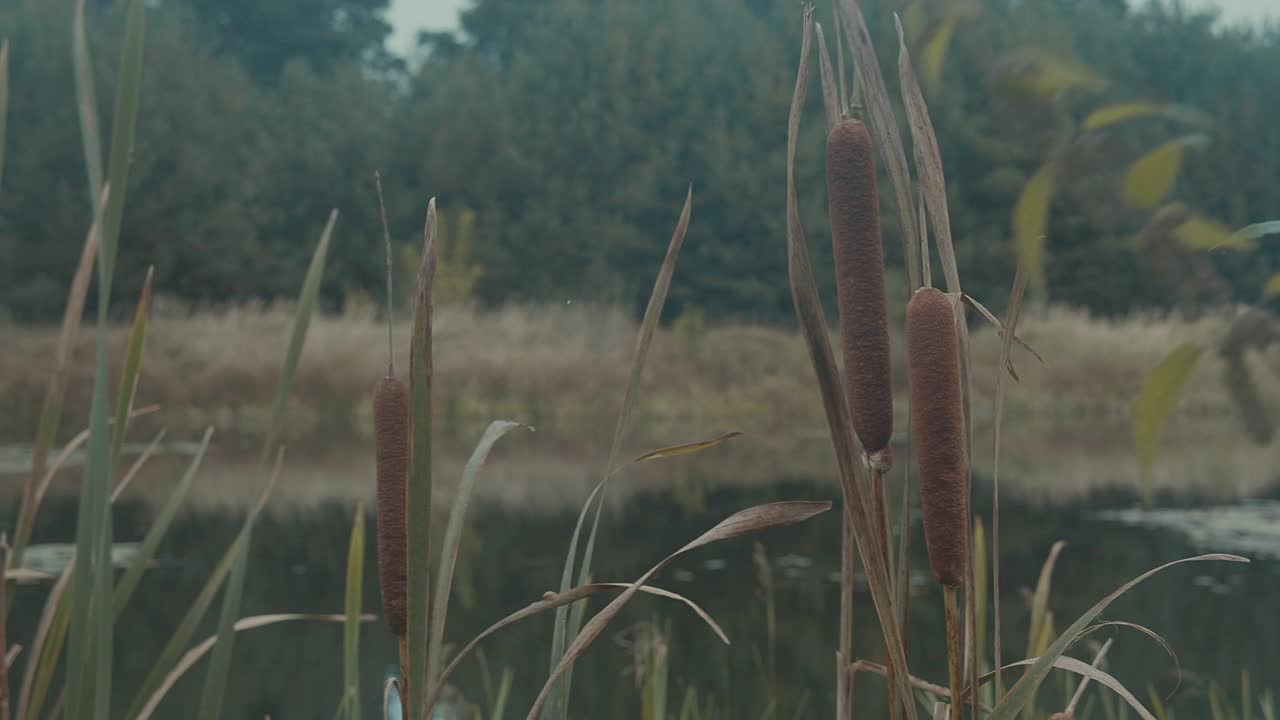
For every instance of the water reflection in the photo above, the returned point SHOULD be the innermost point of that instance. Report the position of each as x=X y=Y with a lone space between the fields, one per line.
x=1210 y=614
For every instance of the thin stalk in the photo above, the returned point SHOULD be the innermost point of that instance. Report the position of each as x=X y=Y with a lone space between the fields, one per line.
x=882 y=521
x=953 y=652
x=843 y=679
x=403 y=688
x=386 y=238
x=4 y=641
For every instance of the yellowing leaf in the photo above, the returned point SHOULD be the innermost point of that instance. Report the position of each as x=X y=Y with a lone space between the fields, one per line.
x=1156 y=403
x=1201 y=233
x=1122 y=112
x=685 y=449
x=1272 y=288
x=935 y=52
x=1031 y=222
x=1042 y=75
x=1152 y=176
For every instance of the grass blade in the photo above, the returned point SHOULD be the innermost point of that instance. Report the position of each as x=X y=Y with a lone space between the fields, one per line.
x=1088 y=672
x=132 y=472
x=123 y=125
x=551 y=601
x=745 y=522
x=45 y=650
x=452 y=541
x=132 y=364
x=159 y=527
x=298 y=334
x=566 y=626
x=1155 y=405
x=51 y=410
x=215 y=682
x=686 y=448
x=418 y=494
x=353 y=599
x=1025 y=689
x=87 y=105
x=250 y=623
x=812 y=320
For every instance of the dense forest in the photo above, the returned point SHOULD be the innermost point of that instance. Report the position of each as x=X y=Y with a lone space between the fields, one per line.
x=559 y=137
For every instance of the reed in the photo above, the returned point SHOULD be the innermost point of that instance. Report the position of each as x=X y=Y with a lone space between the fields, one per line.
x=933 y=362
x=391 y=456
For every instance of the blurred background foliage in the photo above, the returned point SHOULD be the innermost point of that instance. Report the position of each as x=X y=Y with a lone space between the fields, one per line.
x=559 y=134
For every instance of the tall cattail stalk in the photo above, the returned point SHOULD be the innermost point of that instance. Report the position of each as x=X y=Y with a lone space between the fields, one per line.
x=391 y=460
x=937 y=418
x=856 y=243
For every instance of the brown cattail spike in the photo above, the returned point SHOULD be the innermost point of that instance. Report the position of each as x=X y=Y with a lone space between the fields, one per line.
x=391 y=453
x=933 y=366
x=859 y=263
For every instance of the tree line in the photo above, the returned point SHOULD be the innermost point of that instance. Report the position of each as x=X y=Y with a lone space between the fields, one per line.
x=562 y=135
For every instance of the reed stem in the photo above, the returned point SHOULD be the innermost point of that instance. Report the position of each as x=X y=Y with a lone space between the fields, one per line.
x=953 y=652
x=844 y=691
x=882 y=522
x=404 y=674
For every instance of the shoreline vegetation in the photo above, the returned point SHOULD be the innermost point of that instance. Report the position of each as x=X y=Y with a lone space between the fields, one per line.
x=558 y=367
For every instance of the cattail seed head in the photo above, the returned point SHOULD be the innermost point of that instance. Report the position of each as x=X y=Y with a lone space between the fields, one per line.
x=859 y=264
x=391 y=455
x=937 y=420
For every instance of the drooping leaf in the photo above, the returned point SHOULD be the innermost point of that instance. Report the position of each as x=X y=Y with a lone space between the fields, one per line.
x=1031 y=224
x=1156 y=402
x=1025 y=689
x=745 y=522
x=192 y=656
x=551 y=601
x=452 y=541
x=1260 y=230
x=298 y=335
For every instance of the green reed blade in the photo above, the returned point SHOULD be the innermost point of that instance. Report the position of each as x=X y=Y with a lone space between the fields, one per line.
x=298 y=335
x=132 y=365
x=215 y=681
x=353 y=599
x=87 y=105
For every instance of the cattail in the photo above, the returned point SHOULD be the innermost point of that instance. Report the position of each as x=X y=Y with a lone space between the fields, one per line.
x=391 y=454
x=859 y=263
x=933 y=366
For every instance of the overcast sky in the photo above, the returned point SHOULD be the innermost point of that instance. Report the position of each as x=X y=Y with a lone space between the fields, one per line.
x=410 y=16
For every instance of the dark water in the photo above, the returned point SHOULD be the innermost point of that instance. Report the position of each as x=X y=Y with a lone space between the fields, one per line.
x=1220 y=618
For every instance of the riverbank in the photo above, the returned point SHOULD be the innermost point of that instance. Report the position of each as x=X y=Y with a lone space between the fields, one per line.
x=562 y=369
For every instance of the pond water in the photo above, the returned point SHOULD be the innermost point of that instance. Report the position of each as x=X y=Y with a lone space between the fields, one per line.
x=1218 y=617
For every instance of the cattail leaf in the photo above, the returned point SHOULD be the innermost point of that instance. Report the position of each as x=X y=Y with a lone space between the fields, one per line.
x=1088 y=672
x=192 y=656
x=1156 y=402
x=1151 y=177
x=830 y=89
x=298 y=335
x=132 y=364
x=159 y=527
x=1025 y=689
x=4 y=100
x=452 y=541
x=87 y=106
x=686 y=448
x=884 y=127
x=551 y=601
x=1031 y=223
x=55 y=389
x=811 y=317
x=999 y=326
x=46 y=645
x=745 y=522
x=567 y=624
x=353 y=597
x=928 y=160
x=1198 y=232
x=418 y=494
x=123 y=125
